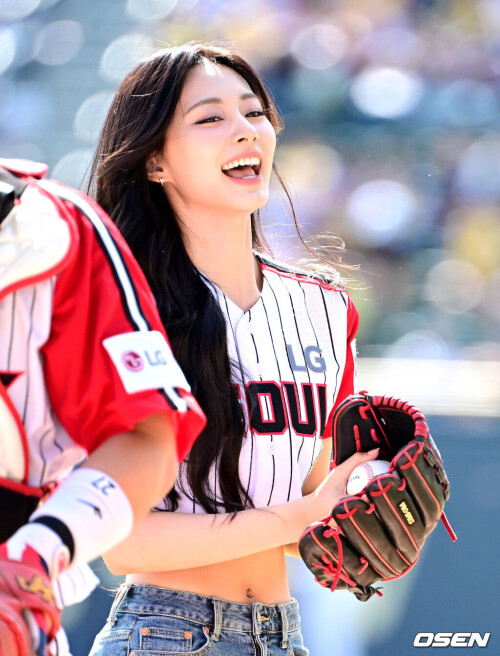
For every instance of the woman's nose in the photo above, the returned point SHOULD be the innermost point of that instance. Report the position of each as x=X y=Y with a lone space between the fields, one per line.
x=245 y=131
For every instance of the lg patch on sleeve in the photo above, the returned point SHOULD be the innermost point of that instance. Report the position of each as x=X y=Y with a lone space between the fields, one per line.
x=144 y=361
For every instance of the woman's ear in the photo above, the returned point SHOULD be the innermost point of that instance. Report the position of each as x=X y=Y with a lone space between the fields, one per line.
x=153 y=169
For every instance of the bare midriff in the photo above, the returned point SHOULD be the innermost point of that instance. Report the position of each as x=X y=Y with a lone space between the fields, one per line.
x=259 y=578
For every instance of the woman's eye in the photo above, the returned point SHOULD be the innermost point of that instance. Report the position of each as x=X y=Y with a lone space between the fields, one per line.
x=210 y=119
x=215 y=119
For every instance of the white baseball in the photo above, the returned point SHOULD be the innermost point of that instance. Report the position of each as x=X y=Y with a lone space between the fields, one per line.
x=363 y=474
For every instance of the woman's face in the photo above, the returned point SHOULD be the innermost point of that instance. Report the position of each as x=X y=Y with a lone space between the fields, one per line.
x=219 y=147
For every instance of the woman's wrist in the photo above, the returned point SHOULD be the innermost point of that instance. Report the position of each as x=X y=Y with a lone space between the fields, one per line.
x=310 y=511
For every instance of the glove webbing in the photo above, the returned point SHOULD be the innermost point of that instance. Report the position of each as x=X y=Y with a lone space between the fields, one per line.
x=421 y=428
x=328 y=565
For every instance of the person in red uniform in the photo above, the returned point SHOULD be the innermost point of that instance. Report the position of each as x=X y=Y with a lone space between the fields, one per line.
x=86 y=374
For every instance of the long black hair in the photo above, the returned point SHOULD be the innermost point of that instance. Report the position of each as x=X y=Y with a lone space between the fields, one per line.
x=134 y=132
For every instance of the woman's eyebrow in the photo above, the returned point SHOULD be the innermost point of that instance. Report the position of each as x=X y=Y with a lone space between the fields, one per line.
x=217 y=101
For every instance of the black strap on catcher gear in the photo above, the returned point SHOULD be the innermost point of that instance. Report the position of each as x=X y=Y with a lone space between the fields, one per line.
x=11 y=187
x=16 y=507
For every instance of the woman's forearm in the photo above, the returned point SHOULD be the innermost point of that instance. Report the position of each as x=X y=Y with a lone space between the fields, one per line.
x=165 y=541
x=168 y=541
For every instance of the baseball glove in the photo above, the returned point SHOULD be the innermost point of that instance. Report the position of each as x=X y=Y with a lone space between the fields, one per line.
x=381 y=539
x=25 y=588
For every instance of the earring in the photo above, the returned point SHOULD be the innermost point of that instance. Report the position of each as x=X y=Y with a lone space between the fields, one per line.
x=161 y=181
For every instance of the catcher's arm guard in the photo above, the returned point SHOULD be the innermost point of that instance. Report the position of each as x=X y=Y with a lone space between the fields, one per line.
x=379 y=540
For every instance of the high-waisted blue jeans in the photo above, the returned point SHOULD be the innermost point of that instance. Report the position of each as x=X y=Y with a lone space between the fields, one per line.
x=146 y=620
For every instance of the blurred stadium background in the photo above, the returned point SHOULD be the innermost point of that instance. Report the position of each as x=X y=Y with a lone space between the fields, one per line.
x=391 y=141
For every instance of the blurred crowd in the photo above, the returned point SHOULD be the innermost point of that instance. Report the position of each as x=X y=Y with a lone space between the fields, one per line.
x=391 y=140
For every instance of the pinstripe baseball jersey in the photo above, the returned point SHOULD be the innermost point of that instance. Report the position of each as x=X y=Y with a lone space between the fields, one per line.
x=83 y=354
x=295 y=355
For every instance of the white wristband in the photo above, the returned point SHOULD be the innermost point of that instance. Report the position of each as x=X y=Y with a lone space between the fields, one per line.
x=95 y=510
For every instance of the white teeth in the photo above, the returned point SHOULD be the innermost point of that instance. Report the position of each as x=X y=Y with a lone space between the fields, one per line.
x=248 y=161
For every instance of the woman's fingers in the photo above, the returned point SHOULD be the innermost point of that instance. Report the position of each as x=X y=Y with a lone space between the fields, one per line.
x=344 y=470
x=334 y=486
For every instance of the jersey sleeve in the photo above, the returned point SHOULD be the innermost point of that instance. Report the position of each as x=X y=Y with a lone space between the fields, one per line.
x=107 y=362
x=348 y=383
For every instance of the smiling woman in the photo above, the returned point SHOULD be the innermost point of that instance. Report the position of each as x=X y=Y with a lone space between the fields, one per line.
x=183 y=167
x=218 y=130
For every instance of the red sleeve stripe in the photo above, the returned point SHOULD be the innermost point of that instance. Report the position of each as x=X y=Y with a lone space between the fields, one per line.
x=118 y=267
x=110 y=249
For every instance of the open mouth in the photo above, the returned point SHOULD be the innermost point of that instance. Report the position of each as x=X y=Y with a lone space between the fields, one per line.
x=244 y=169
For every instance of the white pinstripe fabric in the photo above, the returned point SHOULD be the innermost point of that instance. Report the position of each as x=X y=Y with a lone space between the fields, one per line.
x=269 y=342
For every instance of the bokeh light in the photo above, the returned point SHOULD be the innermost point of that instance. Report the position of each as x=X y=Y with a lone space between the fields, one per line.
x=58 y=42
x=420 y=345
x=455 y=286
x=319 y=46
x=386 y=92
x=381 y=211
x=472 y=233
x=73 y=168
x=467 y=103
x=122 y=55
x=91 y=114
x=13 y=10
x=310 y=167
x=149 y=10
x=478 y=170
x=7 y=47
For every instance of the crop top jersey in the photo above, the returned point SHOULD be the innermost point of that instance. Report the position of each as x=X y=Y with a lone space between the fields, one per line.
x=296 y=354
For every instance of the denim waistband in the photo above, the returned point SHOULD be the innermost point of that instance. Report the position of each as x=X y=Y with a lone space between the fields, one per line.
x=254 y=618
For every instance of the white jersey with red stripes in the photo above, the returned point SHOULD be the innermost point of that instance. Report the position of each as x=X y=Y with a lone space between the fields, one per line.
x=83 y=354
x=295 y=354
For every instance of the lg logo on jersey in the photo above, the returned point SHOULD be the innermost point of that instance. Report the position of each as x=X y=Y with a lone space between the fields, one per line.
x=312 y=355
x=134 y=362
x=143 y=361
x=275 y=406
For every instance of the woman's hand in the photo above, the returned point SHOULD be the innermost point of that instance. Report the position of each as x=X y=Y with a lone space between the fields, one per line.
x=333 y=487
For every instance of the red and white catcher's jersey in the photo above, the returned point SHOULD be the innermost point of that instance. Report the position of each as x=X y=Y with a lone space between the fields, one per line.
x=83 y=354
x=295 y=349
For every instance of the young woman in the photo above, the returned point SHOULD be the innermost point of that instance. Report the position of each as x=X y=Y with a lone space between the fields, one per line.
x=183 y=166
